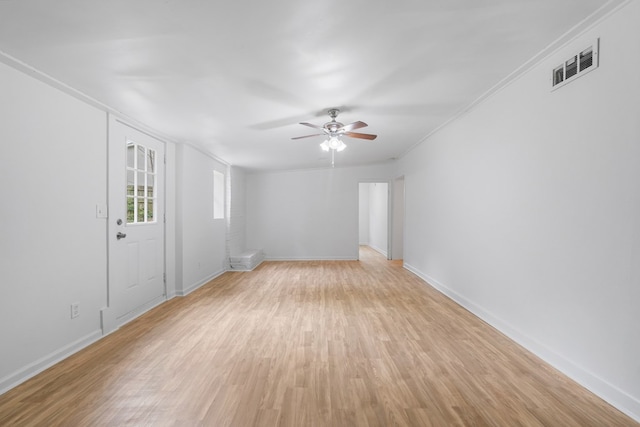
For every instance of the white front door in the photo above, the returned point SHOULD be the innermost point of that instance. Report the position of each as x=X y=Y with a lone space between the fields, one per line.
x=136 y=224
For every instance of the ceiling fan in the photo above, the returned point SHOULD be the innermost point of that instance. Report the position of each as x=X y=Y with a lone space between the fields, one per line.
x=335 y=129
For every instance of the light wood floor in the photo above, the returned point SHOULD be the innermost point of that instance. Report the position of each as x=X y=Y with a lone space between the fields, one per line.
x=307 y=344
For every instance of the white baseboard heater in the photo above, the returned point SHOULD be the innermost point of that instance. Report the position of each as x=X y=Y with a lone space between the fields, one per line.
x=247 y=260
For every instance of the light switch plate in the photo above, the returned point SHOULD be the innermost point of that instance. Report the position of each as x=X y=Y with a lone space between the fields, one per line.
x=101 y=211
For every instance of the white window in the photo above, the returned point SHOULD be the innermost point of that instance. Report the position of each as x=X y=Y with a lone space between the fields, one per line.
x=218 y=195
x=141 y=184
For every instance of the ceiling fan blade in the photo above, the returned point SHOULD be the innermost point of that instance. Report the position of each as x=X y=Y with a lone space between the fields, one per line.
x=361 y=135
x=311 y=125
x=352 y=126
x=308 y=136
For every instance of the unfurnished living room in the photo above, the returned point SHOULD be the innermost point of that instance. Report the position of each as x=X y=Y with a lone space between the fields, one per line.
x=357 y=213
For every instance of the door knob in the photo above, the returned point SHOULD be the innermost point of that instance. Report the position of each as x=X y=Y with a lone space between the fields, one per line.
x=120 y=235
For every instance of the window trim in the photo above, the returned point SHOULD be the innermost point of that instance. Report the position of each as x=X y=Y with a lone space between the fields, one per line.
x=218 y=199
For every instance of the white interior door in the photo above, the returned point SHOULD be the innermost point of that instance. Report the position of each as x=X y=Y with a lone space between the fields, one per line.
x=136 y=224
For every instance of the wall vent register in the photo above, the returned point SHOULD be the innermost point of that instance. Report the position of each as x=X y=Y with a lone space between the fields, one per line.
x=577 y=65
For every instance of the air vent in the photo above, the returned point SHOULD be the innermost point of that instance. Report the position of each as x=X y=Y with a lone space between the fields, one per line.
x=576 y=66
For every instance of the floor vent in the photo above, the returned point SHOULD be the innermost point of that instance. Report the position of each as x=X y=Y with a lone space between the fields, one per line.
x=577 y=65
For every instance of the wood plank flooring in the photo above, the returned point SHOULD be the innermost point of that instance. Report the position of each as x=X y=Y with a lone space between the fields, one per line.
x=330 y=343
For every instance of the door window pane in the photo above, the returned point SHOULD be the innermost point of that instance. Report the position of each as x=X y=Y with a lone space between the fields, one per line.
x=141 y=180
x=130 y=155
x=151 y=161
x=150 y=185
x=150 y=212
x=140 y=209
x=140 y=159
x=140 y=184
x=130 y=210
x=130 y=183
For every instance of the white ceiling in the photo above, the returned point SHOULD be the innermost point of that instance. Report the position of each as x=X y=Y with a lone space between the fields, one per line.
x=235 y=77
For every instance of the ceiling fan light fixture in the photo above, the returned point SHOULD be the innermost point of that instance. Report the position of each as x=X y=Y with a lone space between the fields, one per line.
x=333 y=131
x=336 y=144
x=333 y=143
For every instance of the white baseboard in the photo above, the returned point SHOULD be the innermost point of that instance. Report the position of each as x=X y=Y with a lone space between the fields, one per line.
x=193 y=287
x=33 y=369
x=296 y=258
x=139 y=311
x=380 y=251
x=109 y=324
x=606 y=391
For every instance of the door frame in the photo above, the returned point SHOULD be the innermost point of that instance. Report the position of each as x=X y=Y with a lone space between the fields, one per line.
x=395 y=233
x=108 y=316
x=389 y=205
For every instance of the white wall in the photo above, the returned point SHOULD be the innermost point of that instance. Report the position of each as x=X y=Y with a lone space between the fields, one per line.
x=170 y=213
x=53 y=248
x=378 y=216
x=527 y=211
x=237 y=209
x=309 y=214
x=363 y=213
x=397 y=235
x=53 y=175
x=200 y=240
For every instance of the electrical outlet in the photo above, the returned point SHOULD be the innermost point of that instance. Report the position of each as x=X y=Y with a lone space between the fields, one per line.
x=75 y=310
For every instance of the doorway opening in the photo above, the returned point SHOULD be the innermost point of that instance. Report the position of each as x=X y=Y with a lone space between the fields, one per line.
x=373 y=216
